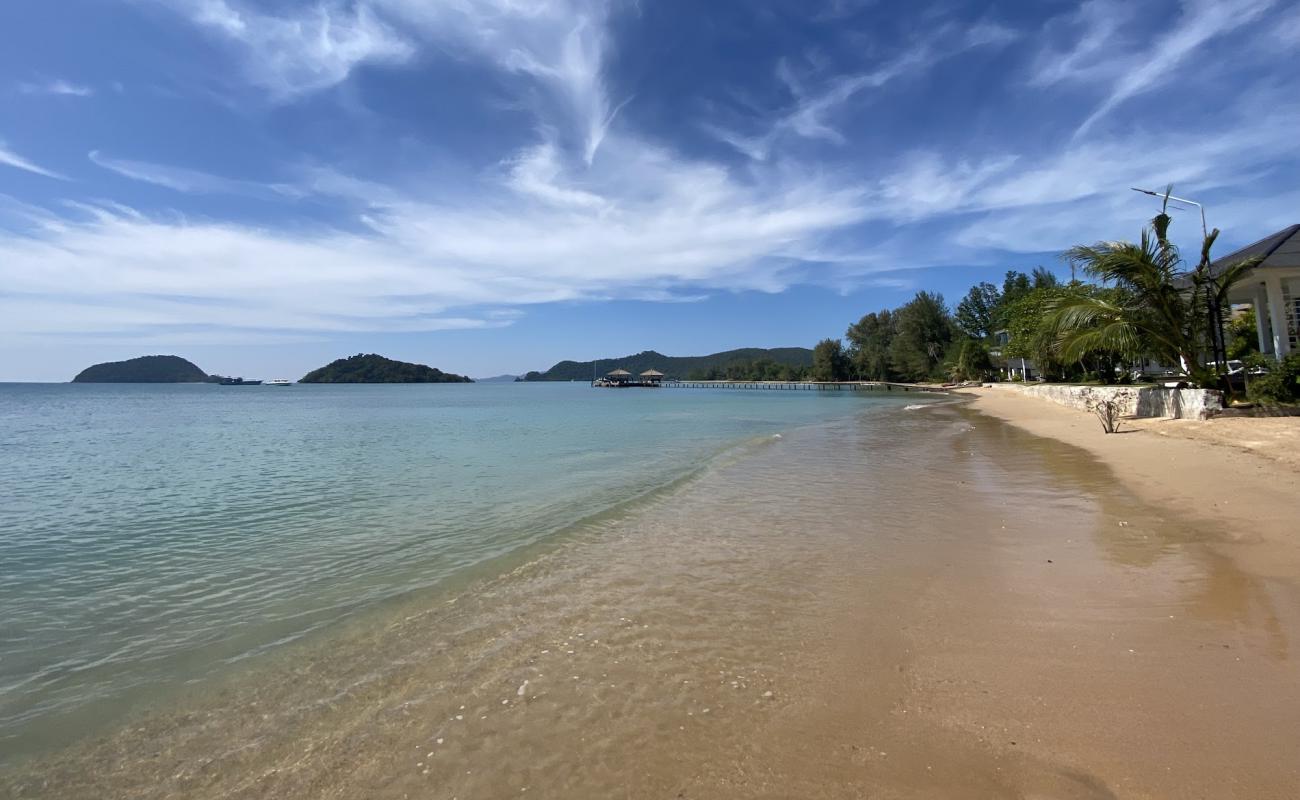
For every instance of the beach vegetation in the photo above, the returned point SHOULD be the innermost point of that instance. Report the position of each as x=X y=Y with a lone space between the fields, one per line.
x=977 y=313
x=1110 y=409
x=923 y=332
x=1242 y=339
x=1159 y=309
x=830 y=361
x=971 y=362
x=869 y=341
x=1280 y=385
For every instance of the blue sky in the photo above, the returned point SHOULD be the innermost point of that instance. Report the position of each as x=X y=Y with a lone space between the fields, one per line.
x=490 y=186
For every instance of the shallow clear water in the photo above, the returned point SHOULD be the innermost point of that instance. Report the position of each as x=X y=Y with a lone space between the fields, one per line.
x=157 y=536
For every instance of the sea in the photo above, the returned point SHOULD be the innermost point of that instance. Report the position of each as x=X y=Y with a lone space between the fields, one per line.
x=159 y=544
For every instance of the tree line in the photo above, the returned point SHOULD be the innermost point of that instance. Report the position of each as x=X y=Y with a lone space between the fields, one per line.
x=1139 y=305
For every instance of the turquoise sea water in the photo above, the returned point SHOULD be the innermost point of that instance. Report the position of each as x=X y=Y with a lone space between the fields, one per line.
x=157 y=536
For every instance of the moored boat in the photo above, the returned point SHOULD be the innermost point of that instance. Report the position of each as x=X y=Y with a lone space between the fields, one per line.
x=280 y=382
x=239 y=382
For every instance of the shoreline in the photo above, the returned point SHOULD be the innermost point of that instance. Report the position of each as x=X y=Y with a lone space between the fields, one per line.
x=1240 y=476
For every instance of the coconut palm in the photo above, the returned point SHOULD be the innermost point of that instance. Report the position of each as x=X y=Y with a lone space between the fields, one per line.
x=1158 y=310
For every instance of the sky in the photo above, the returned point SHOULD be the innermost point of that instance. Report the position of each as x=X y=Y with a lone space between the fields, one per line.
x=491 y=186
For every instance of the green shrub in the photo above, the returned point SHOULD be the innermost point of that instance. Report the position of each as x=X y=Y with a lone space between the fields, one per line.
x=1280 y=385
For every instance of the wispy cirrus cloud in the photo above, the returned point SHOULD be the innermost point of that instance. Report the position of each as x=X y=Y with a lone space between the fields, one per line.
x=588 y=207
x=182 y=179
x=56 y=86
x=1147 y=64
x=639 y=221
x=809 y=116
x=559 y=45
x=291 y=55
x=11 y=159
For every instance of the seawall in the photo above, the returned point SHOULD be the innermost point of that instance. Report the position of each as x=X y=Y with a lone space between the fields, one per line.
x=1135 y=401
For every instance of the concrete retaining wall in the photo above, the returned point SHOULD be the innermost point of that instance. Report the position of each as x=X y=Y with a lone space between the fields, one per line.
x=1135 y=401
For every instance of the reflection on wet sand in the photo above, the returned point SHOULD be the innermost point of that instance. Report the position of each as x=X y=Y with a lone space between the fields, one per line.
x=920 y=604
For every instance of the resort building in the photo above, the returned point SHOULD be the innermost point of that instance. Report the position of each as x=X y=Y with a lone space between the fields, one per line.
x=621 y=378
x=1022 y=369
x=1272 y=288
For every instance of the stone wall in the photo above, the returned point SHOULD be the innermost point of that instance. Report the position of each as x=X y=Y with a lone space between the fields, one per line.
x=1136 y=401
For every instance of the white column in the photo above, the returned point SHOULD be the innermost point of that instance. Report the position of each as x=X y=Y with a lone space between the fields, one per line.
x=1261 y=319
x=1277 y=316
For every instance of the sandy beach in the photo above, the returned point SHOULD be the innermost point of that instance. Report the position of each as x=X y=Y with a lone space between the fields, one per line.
x=930 y=603
x=1238 y=476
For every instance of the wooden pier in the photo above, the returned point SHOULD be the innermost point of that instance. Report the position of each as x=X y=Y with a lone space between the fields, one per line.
x=807 y=386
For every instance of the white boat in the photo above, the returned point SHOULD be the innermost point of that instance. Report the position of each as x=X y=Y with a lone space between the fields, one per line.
x=280 y=382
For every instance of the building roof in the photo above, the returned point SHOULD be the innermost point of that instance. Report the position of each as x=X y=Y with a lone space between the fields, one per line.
x=619 y=373
x=1281 y=249
x=652 y=373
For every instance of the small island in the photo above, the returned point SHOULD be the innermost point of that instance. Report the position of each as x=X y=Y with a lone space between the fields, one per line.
x=372 y=368
x=145 y=369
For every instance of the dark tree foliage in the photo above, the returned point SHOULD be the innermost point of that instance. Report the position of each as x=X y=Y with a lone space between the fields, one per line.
x=869 y=340
x=760 y=369
x=1015 y=286
x=1045 y=279
x=145 y=369
x=830 y=363
x=923 y=332
x=977 y=312
x=372 y=368
x=972 y=362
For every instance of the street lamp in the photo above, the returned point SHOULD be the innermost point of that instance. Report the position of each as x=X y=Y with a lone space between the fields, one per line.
x=1217 y=343
x=1204 y=230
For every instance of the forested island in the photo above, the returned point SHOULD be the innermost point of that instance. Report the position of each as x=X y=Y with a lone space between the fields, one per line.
x=749 y=363
x=145 y=369
x=373 y=368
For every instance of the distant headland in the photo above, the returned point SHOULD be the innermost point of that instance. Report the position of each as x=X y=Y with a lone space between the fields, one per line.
x=372 y=368
x=145 y=369
x=780 y=363
x=361 y=368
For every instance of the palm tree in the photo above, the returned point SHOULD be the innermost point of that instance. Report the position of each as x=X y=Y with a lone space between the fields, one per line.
x=1159 y=309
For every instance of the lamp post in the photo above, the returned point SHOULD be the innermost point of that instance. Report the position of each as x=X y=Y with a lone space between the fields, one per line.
x=1217 y=343
x=1204 y=230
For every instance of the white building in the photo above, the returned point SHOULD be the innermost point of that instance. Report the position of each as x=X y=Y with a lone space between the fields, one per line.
x=1272 y=288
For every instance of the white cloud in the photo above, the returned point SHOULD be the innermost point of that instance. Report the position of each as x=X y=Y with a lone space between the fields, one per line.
x=291 y=55
x=11 y=159
x=588 y=210
x=1287 y=29
x=56 y=87
x=1096 y=29
x=560 y=45
x=1151 y=64
x=643 y=222
x=181 y=179
x=809 y=116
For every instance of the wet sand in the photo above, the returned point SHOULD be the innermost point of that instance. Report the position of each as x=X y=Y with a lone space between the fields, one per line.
x=928 y=603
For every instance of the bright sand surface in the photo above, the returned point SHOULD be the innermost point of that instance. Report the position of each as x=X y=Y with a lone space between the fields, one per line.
x=1239 y=476
x=940 y=605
